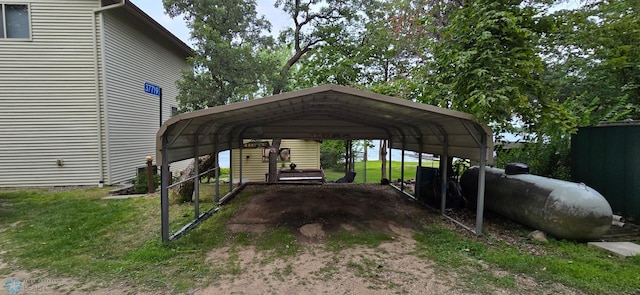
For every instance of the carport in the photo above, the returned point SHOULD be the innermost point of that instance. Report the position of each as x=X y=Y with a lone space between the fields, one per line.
x=322 y=113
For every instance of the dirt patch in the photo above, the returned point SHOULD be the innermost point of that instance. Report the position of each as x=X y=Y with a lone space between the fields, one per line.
x=387 y=269
x=311 y=212
x=38 y=282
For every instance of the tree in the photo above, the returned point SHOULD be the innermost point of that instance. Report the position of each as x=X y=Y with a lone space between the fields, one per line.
x=593 y=68
x=227 y=65
x=487 y=65
x=595 y=59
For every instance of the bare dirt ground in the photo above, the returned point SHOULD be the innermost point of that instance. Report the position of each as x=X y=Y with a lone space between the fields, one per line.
x=312 y=213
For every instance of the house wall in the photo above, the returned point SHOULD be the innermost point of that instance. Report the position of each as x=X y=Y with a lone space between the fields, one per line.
x=131 y=58
x=48 y=99
x=304 y=153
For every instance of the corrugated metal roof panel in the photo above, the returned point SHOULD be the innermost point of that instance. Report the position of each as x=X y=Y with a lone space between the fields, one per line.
x=331 y=112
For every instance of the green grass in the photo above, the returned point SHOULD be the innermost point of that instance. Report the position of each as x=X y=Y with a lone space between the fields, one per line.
x=278 y=244
x=570 y=263
x=374 y=174
x=98 y=241
x=344 y=239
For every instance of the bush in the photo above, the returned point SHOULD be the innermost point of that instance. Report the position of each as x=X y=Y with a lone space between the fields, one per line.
x=549 y=157
x=331 y=160
x=141 y=183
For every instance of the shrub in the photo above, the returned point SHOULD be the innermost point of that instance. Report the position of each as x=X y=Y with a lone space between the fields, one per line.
x=141 y=183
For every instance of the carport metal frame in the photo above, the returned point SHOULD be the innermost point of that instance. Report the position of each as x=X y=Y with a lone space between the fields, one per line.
x=324 y=112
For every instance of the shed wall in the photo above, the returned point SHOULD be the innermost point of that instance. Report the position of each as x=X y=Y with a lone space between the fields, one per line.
x=304 y=153
x=607 y=158
x=48 y=99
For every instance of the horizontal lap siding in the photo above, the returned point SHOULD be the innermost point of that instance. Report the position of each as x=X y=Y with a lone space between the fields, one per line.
x=304 y=153
x=131 y=58
x=47 y=99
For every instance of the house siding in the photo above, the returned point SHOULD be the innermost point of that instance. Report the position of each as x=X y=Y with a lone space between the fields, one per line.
x=131 y=58
x=48 y=99
x=304 y=153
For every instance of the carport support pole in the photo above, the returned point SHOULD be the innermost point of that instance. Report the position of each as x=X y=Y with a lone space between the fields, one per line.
x=402 y=166
x=364 y=173
x=230 y=165
x=420 y=153
x=444 y=160
x=164 y=192
x=390 y=159
x=481 y=187
x=240 y=162
x=196 y=181
x=216 y=154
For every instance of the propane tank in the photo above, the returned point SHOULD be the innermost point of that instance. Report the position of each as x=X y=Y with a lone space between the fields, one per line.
x=560 y=208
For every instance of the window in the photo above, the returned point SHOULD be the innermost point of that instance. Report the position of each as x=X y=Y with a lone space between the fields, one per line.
x=174 y=111
x=14 y=21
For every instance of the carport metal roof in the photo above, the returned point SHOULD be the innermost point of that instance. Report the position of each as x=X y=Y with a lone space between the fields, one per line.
x=326 y=112
x=320 y=113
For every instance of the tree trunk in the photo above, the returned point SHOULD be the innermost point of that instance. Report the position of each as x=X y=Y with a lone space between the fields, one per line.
x=273 y=160
x=185 y=189
x=347 y=157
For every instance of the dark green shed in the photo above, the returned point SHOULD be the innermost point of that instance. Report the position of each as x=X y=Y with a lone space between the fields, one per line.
x=607 y=158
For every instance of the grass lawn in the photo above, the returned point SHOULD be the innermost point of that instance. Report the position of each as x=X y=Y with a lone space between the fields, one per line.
x=374 y=171
x=77 y=234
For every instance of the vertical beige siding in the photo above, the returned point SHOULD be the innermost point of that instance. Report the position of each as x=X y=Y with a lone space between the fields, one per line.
x=131 y=58
x=304 y=153
x=47 y=99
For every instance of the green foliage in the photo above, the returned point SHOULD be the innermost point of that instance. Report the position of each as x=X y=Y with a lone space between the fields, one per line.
x=487 y=65
x=227 y=63
x=280 y=243
x=321 y=29
x=385 y=44
x=332 y=153
x=594 y=60
x=141 y=182
x=509 y=62
x=546 y=156
x=346 y=239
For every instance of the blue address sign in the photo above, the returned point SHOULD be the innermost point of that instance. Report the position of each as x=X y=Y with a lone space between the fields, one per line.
x=151 y=88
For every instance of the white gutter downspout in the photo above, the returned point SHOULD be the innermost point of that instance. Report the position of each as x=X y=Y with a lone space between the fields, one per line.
x=97 y=83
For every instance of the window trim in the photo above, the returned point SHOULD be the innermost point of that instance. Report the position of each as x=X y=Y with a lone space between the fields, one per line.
x=4 y=20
